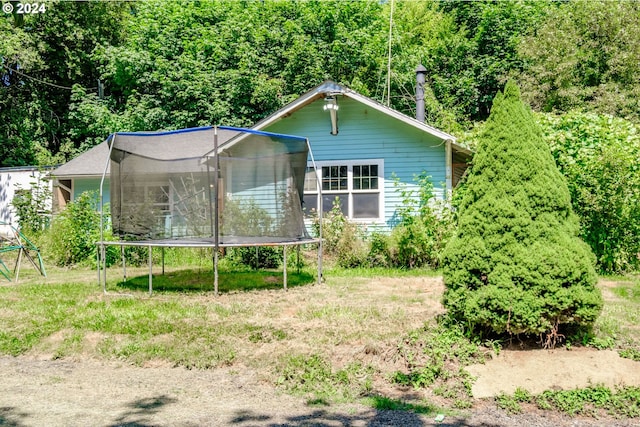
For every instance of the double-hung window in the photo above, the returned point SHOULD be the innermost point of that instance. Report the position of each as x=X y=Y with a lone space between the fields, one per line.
x=356 y=185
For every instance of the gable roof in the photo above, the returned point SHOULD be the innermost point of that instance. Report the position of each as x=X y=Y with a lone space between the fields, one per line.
x=91 y=163
x=330 y=88
x=88 y=164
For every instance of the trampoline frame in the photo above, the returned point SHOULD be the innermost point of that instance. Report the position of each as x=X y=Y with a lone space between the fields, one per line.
x=213 y=241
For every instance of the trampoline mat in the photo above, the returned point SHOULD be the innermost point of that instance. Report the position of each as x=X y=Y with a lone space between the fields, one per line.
x=226 y=241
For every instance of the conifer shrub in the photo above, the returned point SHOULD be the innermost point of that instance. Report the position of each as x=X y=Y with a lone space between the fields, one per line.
x=516 y=264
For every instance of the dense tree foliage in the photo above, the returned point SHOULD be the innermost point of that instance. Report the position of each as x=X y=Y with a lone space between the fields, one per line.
x=183 y=63
x=173 y=64
x=585 y=55
x=42 y=55
x=600 y=156
x=516 y=263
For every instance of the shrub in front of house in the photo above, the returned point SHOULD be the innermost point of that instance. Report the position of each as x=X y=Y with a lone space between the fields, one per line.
x=72 y=236
x=516 y=264
x=423 y=228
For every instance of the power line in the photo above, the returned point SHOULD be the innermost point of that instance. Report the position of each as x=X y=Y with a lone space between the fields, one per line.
x=42 y=81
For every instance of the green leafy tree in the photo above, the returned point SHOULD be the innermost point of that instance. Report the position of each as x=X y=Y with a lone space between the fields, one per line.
x=41 y=57
x=600 y=157
x=516 y=264
x=585 y=55
x=493 y=30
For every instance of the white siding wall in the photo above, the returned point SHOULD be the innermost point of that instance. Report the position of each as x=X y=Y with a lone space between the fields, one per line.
x=10 y=180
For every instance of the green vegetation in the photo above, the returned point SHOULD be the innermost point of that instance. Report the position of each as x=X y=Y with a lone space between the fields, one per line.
x=614 y=328
x=599 y=155
x=512 y=404
x=72 y=236
x=314 y=376
x=422 y=228
x=516 y=264
x=594 y=401
x=31 y=206
x=327 y=343
x=436 y=355
x=193 y=63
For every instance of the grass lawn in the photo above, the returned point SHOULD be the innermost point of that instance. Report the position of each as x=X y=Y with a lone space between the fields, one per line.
x=362 y=334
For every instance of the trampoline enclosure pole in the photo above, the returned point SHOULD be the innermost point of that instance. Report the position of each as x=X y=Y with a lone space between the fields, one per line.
x=216 y=207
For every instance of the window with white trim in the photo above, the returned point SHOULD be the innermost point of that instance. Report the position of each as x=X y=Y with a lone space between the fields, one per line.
x=357 y=184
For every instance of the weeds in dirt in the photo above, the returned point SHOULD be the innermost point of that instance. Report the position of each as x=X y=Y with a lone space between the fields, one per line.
x=435 y=355
x=617 y=326
x=622 y=402
x=314 y=377
x=512 y=403
x=388 y=404
x=591 y=401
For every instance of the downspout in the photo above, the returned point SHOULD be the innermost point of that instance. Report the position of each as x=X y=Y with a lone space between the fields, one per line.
x=449 y=168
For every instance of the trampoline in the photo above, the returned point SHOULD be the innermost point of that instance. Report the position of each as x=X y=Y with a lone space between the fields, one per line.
x=207 y=187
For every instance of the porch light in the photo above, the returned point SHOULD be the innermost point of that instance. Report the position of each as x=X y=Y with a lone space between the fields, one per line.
x=331 y=105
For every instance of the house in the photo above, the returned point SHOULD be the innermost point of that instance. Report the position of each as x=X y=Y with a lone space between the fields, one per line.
x=13 y=181
x=358 y=145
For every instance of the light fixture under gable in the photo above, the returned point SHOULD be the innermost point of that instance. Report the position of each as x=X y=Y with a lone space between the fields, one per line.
x=331 y=104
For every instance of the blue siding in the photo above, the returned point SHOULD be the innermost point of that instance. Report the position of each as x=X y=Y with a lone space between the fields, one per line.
x=364 y=133
x=80 y=185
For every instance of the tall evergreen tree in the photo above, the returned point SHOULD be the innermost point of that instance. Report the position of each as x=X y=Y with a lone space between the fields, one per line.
x=517 y=264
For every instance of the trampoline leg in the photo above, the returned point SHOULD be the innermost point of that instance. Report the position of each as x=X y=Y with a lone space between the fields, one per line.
x=98 y=265
x=124 y=265
x=319 y=262
x=215 y=272
x=284 y=263
x=150 y=271
x=103 y=254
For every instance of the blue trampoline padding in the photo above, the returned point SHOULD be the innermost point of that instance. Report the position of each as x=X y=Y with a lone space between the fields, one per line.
x=202 y=128
x=264 y=133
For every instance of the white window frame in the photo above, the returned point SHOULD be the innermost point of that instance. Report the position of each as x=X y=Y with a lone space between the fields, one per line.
x=350 y=191
x=165 y=207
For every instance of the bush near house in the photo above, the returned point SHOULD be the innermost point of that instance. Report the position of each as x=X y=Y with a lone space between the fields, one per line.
x=516 y=264
x=73 y=234
x=416 y=241
x=600 y=157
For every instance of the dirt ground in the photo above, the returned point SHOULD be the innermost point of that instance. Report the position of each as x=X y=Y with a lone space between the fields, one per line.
x=38 y=391
x=91 y=393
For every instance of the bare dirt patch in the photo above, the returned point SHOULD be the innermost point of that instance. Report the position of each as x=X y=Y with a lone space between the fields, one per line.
x=559 y=369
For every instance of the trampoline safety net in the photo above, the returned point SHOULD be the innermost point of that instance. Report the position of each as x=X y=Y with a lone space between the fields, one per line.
x=245 y=185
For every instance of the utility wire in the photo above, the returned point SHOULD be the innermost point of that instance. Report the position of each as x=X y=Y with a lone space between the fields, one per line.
x=389 y=55
x=42 y=81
